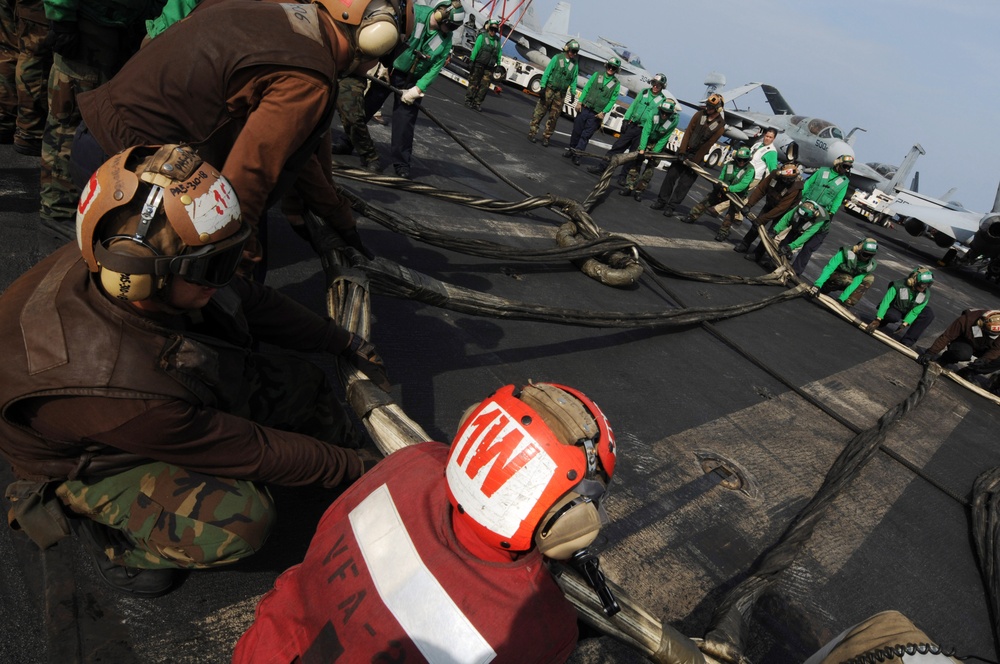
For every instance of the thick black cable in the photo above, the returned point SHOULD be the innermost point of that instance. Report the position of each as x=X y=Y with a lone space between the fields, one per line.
x=728 y=623
x=986 y=534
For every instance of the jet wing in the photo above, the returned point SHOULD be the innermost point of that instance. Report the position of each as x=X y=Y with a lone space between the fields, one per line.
x=959 y=224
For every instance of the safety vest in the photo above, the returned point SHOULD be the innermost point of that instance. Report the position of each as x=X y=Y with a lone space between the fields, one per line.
x=731 y=174
x=907 y=298
x=853 y=265
x=562 y=73
x=600 y=91
x=758 y=151
x=386 y=580
x=644 y=105
x=826 y=188
x=489 y=47
x=426 y=47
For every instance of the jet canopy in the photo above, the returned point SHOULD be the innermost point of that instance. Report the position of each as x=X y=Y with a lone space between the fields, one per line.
x=818 y=127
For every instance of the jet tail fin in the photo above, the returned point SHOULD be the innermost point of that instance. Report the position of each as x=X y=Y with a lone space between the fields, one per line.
x=777 y=102
x=558 y=21
x=915 y=184
x=904 y=169
x=996 y=201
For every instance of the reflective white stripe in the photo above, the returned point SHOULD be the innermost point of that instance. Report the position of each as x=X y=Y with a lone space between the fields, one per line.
x=409 y=590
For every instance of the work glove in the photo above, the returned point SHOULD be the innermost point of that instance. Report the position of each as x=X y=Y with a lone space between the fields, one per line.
x=412 y=95
x=927 y=357
x=63 y=38
x=979 y=367
x=362 y=356
x=745 y=210
x=786 y=251
x=872 y=326
x=352 y=239
x=813 y=291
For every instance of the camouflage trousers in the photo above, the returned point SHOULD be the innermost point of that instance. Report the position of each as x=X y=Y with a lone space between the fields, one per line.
x=101 y=54
x=479 y=84
x=839 y=281
x=8 y=68
x=33 y=65
x=177 y=518
x=637 y=182
x=550 y=102
x=718 y=203
x=351 y=107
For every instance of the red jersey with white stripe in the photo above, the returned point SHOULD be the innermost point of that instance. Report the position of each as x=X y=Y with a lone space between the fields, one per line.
x=385 y=580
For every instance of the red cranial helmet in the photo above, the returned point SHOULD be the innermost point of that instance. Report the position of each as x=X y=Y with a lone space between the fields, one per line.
x=531 y=467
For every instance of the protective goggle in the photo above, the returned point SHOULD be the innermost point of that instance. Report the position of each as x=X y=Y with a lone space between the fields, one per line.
x=866 y=255
x=453 y=20
x=211 y=265
x=612 y=66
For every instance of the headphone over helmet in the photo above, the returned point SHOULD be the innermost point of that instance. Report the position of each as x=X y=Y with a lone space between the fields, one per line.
x=668 y=107
x=843 y=162
x=450 y=15
x=714 y=101
x=572 y=46
x=743 y=154
x=788 y=171
x=614 y=63
x=150 y=212
x=866 y=248
x=660 y=79
x=810 y=210
x=373 y=27
x=991 y=322
x=920 y=275
x=532 y=466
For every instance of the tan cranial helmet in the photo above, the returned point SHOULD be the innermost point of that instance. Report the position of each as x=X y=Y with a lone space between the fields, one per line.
x=374 y=27
x=530 y=467
x=151 y=212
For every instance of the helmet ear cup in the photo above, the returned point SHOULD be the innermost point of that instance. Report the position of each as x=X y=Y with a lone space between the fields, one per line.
x=569 y=525
x=126 y=286
x=378 y=38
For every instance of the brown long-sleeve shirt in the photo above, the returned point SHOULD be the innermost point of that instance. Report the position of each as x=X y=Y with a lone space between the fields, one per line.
x=985 y=348
x=247 y=87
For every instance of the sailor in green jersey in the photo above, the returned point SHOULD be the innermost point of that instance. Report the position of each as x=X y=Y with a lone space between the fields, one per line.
x=827 y=188
x=735 y=177
x=559 y=77
x=598 y=97
x=413 y=72
x=656 y=131
x=485 y=58
x=645 y=106
x=906 y=301
x=850 y=270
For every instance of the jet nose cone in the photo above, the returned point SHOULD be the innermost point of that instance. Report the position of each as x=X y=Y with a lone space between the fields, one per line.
x=838 y=148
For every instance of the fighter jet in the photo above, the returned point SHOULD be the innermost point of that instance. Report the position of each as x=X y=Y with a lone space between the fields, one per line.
x=972 y=238
x=538 y=44
x=817 y=142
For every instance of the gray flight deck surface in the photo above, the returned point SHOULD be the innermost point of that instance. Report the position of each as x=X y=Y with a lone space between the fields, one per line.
x=678 y=540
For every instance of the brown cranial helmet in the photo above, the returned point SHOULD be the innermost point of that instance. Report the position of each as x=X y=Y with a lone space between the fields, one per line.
x=151 y=212
x=374 y=27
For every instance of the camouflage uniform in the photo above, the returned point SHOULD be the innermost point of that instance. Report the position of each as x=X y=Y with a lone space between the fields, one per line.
x=103 y=49
x=178 y=518
x=485 y=57
x=636 y=182
x=559 y=79
x=351 y=107
x=33 y=64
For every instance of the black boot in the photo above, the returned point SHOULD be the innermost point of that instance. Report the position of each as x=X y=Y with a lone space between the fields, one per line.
x=742 y=247
x=658 y=204
x=97 y=538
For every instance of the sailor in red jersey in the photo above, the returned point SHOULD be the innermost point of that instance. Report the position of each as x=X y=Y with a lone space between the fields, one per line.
x=437 y=554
